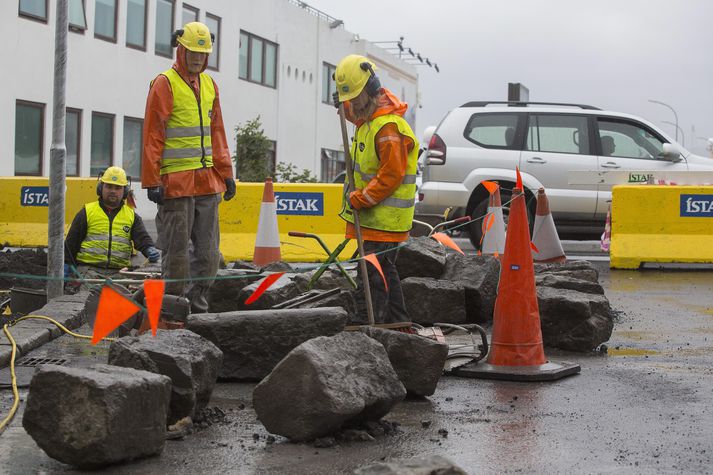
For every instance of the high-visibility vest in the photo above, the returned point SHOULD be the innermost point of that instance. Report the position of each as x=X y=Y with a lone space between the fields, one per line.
x=394 y=213
x=188 y=141
x=107 y=243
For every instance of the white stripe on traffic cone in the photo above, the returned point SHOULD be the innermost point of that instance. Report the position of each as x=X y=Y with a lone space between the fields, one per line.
x=494 y=238
x=267 y=240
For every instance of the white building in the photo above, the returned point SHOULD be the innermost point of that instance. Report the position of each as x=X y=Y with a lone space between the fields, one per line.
x=272 y=58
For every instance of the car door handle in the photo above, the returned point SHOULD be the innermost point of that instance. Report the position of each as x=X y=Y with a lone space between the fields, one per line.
x=536 y=160
x=610 y=165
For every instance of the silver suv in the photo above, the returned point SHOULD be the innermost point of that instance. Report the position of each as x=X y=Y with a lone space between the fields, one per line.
x=487 y=140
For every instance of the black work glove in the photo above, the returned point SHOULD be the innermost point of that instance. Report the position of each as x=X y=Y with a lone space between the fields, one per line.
x=155 y=194
x=335 y=100
x=230 y=189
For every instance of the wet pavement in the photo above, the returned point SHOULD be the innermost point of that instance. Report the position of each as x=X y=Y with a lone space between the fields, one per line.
x=644 y=407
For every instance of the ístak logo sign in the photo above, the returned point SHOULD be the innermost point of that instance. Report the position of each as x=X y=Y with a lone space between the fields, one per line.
x=639 y=177
x=35 y=196
x=697 y=206
x=306 y=204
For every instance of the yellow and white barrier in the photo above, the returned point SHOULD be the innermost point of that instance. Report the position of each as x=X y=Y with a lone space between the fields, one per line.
x=661 y=224
x=24 y=207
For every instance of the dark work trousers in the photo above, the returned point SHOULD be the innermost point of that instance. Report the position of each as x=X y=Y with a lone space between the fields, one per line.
x=389 y=306
x=189 y=236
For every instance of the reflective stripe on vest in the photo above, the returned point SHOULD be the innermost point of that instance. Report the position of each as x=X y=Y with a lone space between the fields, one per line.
x=395 y=213
x=188 y=139
x=107 y=244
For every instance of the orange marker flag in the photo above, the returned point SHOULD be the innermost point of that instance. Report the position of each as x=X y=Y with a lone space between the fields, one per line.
x=533 y=247
x=375 y=262
x=114 y=309
x=153 y=295
x=264 y=285
x=518 y=184
x=447 y=241
x=491 y=186
x=487 y=224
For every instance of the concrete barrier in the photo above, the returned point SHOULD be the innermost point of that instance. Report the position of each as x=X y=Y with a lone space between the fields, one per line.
x=661 y=224
x=304 y=207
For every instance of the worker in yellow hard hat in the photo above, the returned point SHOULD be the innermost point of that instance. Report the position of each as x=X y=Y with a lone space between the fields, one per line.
x=385 y=155
x=186 y=165
x=104 y=233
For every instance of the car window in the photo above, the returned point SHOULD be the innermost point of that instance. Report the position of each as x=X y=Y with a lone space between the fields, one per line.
x=559 y=133
x=492 y=130
x=628 y=140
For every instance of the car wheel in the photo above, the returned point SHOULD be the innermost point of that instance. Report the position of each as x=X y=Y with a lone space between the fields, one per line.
x=475 y=229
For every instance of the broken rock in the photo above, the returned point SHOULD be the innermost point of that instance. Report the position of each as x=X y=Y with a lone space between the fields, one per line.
x=479 y=276
x=326 y=382
x=254 y=341
x=224 y=295
x=417 y=360
x=92 y=417
x=583 y=270
x=421 y=257
x=435 y=464
x=344 y=299
x=559 y=281
x=430 y=300
x=191 y=361
x=284 y=288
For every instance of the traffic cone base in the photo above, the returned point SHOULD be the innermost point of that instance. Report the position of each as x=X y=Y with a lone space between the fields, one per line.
x=549 y=371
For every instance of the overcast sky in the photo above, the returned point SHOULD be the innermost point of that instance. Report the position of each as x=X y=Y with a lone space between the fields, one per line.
x=613 y=54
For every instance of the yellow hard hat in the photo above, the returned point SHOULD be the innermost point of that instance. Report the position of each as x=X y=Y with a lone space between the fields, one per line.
x=196 y=37
x=115 y=176
x=352 y=74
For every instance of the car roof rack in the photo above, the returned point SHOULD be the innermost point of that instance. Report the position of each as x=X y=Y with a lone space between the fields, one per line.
x=526 y=104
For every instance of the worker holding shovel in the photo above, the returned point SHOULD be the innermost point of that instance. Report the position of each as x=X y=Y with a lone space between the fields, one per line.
x=381 y=186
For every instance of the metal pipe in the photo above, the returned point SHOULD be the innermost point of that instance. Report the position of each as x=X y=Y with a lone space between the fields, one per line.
x=672 y=110
x=58 y=152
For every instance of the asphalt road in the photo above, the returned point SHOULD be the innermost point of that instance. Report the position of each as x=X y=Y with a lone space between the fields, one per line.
x=645 y=407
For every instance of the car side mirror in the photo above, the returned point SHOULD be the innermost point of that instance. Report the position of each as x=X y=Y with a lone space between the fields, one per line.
x=671 y=153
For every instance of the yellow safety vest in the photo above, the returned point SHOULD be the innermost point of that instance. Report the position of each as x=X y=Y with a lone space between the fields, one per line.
x=188 y=140
x=107 y=243
x=395 y=213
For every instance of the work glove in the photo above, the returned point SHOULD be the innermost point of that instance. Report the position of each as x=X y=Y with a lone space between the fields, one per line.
x=152 y=254
x=230 y=189
x=155 y=194
x=335 y=99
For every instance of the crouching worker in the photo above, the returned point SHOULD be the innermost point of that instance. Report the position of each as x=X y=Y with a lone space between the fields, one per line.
x=385 y=155
x=99 y=241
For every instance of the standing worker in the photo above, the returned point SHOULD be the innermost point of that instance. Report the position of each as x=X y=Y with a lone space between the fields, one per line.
x=186 y=165
x=385 y=155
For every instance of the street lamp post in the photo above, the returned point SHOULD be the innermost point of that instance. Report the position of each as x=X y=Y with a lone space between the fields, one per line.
x=683 y=136
x=672 y=110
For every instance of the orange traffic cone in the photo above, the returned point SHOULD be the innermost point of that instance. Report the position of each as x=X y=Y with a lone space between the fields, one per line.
x=544 y=233
x=267 y=241
x=493 y=240
x=516 y=351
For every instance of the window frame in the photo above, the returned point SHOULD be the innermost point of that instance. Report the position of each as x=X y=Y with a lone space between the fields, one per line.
x=41 y=106
x=116 y=25
x=324 y=174
x=76 y=28
x=113 y=137
x=30 y=16
x=196 y=10
x=265 y=41
x=146 y=26
x=520 y=126
x=216 y=43
x=128 y=118
x=173 y=28
x=79 y=140
x=588 y=123
x=626 y=121
x=330 y=70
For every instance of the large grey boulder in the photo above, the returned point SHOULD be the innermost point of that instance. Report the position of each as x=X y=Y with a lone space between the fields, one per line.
x=559 y=281
x=326 y=382
x=92 y=417
x=191 y=361
x=427 y=465
x=224 y=295
x=343 y=299
x=417 y=360
x=254 y=341
x=583 y=270
x=574 y=320
x=429 y=301
x=331 y=278
x=421 y=257
x=479 y=276
x=284 y=288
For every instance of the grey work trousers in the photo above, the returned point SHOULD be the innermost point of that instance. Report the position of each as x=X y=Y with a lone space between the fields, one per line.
x=388 y=304
x=181 y=222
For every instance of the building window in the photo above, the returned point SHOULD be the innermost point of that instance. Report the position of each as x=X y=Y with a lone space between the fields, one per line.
x=136 y=13
x=34 y=9
x=72 y=140
x=131 y=152
x=29 y=133
x=164 y=27
x=328 y=84
x=102 y=143
x=77 y=16
x=213 y=24
x=105 y=20
x=271 y=157
x=332 y=164
x=258 y=60
x=189 y=14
